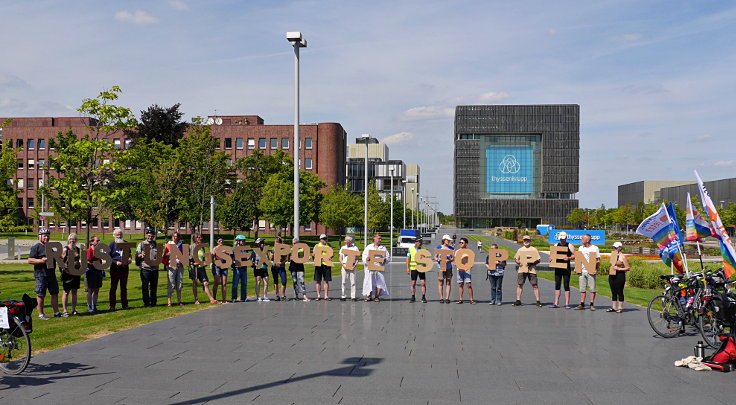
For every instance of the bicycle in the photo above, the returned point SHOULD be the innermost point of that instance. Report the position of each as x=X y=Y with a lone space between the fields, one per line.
x=717 y=312
x=681 y=305
x=15 y=341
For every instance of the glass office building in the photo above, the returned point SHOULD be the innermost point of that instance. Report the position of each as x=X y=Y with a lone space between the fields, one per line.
x=516 y=165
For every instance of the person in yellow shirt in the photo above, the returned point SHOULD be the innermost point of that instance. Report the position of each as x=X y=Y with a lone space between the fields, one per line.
x=322 y=272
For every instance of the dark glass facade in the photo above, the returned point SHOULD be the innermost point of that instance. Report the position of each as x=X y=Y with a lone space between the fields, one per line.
x=516 y=165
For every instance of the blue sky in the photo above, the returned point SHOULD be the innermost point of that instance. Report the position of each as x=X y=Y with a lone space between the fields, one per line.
x=654 y=79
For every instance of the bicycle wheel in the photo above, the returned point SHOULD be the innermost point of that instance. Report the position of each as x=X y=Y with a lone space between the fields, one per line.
x=664 y=316
x=709 y=323
x=15 y=351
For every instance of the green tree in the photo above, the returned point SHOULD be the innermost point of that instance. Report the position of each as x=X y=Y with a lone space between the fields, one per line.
x=8 y=187
x=577 y=216
x=160 y=124
x=340 y=208
x=278 y=202
x=378 y=210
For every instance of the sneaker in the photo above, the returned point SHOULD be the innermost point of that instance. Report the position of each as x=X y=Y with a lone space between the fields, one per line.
x=43 y=317
x=447 y=301
x=539 y=304
x=65 y=314
x=579 y=307
x=355 y=299
x=517 y=303
x=259 y=299
x=491 y=303
x=424 y=300
x=343 y=298
x=277 y=298
x=234 y=301
x=412 y=299
x=498 y=303
x=442 y=301
x=266 y=299
x=592 y=307
x=57 y=315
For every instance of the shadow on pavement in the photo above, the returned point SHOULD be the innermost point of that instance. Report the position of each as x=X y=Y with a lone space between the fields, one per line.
x=41 y=374
x=355 y=368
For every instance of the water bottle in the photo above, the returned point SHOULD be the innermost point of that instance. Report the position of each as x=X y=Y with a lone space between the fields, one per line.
x=700 y=349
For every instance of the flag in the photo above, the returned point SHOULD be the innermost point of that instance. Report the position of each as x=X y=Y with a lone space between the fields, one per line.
x=695 y=226
x=660 y=228
x=675 y=224
x=716 y=225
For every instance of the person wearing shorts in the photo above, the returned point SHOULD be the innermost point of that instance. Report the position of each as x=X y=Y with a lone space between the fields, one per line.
x=175 y=269
x=562 y=276
x=260 y=272
x=586 y=276
x=464 y=277
x=93 y=276
x=198 y=272
x=69 y=282
x=278 y=271
x=297 y=275
x=411 y=269
x=444 y=279
x=220 y=276
x=45 y=278
x=526 y=270
x=348 y=275
x=322 y=272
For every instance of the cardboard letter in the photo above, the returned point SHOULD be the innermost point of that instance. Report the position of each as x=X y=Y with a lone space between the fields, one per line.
x=75 y=267
x=175 y=255
x=222 y=257
x=375 y=260
x=529 y=258
x=280 y=250
x=151 y=261
x=323 y=254
x=441 y=256
x=102 y=252
x=242 y=256
x=125 y=247
x=580 y=262
x=263 y=256
x=53 y=255
x=557 y=254
x=424 y=260
x=295 y=253
x=352 y=258
x=496 y=255
x=464 y=259
x=195 y=255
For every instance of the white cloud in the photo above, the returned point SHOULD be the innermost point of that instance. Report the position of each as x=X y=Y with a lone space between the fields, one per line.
x=179 y=5
x=136 y=17
x=428 y=113
x=398 y=138
x=493 y=97
x=552 y=31
x=725 y=163
x=704 y=137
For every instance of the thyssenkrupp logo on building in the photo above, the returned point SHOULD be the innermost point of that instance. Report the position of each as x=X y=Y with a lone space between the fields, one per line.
x=509 y=165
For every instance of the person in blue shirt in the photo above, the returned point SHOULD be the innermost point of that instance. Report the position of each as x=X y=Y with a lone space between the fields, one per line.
x=444 y=279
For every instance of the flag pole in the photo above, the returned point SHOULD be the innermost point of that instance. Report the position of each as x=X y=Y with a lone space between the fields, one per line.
x=702 y=267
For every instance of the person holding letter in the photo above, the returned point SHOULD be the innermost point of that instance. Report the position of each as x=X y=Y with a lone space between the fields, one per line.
x=45 y=277
x=562 y=276
x=586 y=265
x=495 y=268
x=119 y=269
x=69 y=282
x=527 y=258
x=411 y=268
x=617 y=277
x=463 y=270
x=297 y=273
x=375 y=259
x=348 y=261
x=278 y=272
x=444 y=278
x=175 y=269
x=93 y=276
x=149 y=273
x=322 y=269
x=198 y=272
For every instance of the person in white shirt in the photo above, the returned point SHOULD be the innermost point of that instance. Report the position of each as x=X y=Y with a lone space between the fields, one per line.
x=587 y=276
x=374 y=284
x=348 y=275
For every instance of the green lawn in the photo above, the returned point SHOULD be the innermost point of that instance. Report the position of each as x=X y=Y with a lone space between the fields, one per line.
x=632 y=295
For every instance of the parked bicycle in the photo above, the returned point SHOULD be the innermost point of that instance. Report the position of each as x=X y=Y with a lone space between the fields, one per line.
x=15 y=341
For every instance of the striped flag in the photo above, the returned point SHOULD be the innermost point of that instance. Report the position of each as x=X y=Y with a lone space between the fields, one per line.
x=696 y=227
x=711 y=215
x=660 y=228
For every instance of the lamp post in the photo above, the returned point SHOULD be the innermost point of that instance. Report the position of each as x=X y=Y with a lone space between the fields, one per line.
x=413 y=207
x=366 y=138
x=391 y=239
x=403 y=200
x=295 y=38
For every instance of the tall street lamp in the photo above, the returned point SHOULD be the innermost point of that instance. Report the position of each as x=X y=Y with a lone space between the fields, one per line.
x=413 y=207
x=295 y=37
x=391 y=249
x=366 y=139
x=403 y=200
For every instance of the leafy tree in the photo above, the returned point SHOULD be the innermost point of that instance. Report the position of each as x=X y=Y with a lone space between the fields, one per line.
x=577 y=216
x=234 y=211
x=278 y=203
x=8 y=187
x=160 y=124
x=205 y=172
x=340 y=208
x=378 y=210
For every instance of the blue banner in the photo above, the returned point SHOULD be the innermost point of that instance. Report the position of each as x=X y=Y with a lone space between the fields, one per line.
x=509 y=170
x=573 y=236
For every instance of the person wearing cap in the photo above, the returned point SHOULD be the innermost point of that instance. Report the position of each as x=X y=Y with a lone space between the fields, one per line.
x=586 y=277
x=175 y=269
x=348 y=275
x=240 y=272
x=444 y=279
x=297 y=274
x=260 y=272
x=526 y=270
x=278 y=271
x=220 y=275
x=374 y=283
x=411 y=269
x=322 y=271
x=617 y=277
x=198 y=272
x=496 y=276
x=45 y=277
x=562 y=276
x=149 y=274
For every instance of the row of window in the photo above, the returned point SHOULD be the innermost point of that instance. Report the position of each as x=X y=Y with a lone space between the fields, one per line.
x=29 y=182
x=40 y=144
x=31 y=163
x=263 y=142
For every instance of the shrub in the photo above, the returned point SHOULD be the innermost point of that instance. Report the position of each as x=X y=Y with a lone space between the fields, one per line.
x=646 y=275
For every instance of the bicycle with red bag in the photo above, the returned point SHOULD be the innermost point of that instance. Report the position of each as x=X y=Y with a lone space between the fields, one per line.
x=15 y=338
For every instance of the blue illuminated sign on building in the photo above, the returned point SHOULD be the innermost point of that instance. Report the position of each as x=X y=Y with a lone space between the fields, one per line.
x=573 y=236
x=509 y=170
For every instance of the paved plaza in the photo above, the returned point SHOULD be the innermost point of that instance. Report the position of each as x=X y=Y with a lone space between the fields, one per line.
x=392 y=352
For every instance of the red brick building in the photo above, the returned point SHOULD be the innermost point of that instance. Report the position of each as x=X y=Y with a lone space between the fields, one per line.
x=322 y=151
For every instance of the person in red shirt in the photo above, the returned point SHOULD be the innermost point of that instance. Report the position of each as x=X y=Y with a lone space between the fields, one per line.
x=92 y=276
